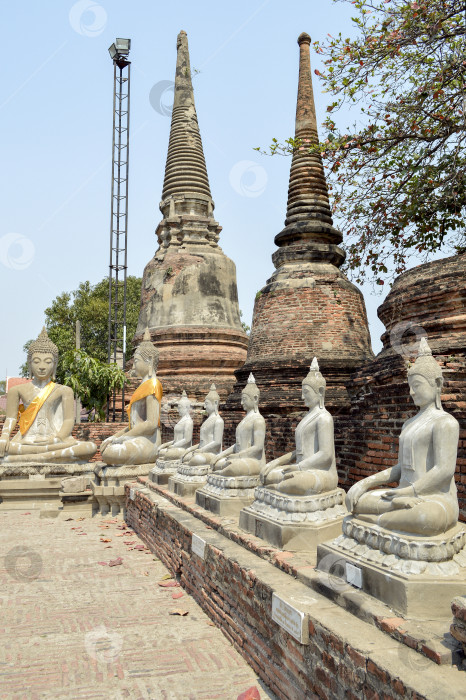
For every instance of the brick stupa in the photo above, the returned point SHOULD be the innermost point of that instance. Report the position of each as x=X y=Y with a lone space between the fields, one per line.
x=308 y=307
x=189 y=295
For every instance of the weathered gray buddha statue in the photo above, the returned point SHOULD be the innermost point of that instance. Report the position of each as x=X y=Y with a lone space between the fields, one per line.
x=138 y=443
x=45 y=412
x=298 y=503
x=425 y=501
x=406 y=542
x=196 y=461
x=247 y=455
x=311 y=467
x=211 y=434
x=235 y=471
x=169 y=454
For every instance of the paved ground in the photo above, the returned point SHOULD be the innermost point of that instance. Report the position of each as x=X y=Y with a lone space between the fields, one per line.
x=74 y=627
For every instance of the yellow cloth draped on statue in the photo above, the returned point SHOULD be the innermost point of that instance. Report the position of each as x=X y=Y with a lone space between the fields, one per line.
x=28 y=415
x=147 y=388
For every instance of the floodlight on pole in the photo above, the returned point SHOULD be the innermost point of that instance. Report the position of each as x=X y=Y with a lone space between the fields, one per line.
x=119 y=51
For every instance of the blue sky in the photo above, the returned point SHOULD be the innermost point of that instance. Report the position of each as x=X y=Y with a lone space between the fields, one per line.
x=56 y=116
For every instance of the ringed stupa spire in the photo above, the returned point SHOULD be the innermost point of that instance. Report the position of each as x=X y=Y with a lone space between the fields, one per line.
x=307 y=308
x=308 y=220
x=185 y=170
x=189 y=298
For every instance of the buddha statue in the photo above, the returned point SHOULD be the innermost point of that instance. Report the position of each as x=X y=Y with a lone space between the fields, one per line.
x=235 y=471
x=311 y=467
x=182 y=433
x=298 y=504
x=404 y=545
x=425 y=501
x=247 y=455
x=45 y=412
x=138 y=443
x=196 y=460
x=210 y=437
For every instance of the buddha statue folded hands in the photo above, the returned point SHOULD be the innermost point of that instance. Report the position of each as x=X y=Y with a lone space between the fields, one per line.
x=138 y=443
x=45 y=412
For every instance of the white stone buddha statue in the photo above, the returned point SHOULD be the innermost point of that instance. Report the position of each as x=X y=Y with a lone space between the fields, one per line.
x=138 y=443
x=310 y=468
x=247 y=456
x=45 y=412
x=182 y=434
x=425 y=501
x=211 y=434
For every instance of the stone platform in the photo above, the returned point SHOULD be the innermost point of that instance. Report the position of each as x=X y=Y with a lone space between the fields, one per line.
x=294 y=522
x=24 y=485
x=108 y=485
x=266 y=602
x=163 y=470
x=188 y=480
x=416 y=576
x=227 y=495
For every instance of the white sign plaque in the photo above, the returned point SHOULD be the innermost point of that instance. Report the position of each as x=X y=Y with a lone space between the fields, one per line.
x=131 y=494
x=353 y=575
x=198 y=546
x=290 y=618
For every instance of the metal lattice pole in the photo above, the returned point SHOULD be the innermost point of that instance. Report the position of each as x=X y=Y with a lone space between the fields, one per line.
x=119 y=219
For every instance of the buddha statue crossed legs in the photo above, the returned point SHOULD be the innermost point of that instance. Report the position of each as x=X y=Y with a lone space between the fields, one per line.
x=139 y=442
x=45 y=411
x=298 y=503
x=210 y=437
x=425 y=501
x=311 y=467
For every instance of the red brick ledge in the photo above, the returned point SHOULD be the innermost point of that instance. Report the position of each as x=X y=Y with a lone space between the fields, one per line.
x=432 y=639
x=345 y=657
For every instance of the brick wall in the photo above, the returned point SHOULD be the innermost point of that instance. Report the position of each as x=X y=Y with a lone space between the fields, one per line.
x=341 y=659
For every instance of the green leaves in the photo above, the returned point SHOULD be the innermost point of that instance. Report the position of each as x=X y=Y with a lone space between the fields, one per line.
x=91 y=380
x=398 y=175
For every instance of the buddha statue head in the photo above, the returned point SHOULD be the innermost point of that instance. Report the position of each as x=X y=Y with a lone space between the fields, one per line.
x=184 y=404
x=42 y=357
x=425 y=371
x=146 y=357
x=250 y=395
x=211 y=401
x=314 y=386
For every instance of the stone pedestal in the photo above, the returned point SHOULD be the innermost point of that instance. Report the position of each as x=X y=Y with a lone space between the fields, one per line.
x=108 y=485
x=227 y=495
x=294 y=522
x=188 y=480
x=416 y=576
x=26 y=486
x=163 y=470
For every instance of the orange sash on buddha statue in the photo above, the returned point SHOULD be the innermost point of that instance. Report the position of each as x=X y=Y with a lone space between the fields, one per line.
x=27 y=416
x=150 y=387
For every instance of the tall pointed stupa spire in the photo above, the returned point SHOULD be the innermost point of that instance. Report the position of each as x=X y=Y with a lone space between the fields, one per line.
x=189 y=299
x=185 y=171
x=308 y=215
x=186 y=205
